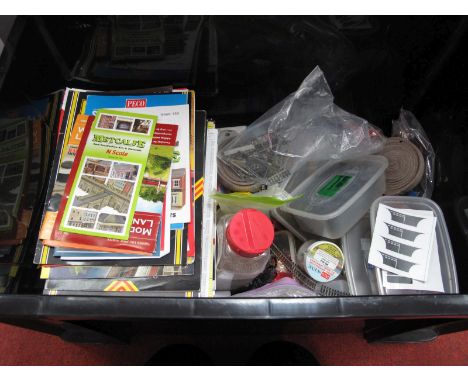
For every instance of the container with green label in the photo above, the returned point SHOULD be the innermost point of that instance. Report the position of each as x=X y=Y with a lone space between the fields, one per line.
x=337 y=195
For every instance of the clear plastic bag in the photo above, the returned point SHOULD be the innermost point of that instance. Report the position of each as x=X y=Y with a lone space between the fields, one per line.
x=285 y=287
x=408 y=127
x=306 y=125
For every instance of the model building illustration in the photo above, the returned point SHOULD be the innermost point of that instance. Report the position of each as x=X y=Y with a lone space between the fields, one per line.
x=107 y=121
x=178 y=188
x=124 y=124
x=103 y=196
x=124 y=171
x=96 y=194
x=111 y=223
x=97 y=167
x=141 y=126
x=82 y=218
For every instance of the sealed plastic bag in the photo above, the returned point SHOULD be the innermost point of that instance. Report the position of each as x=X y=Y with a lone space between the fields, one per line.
x=408 y=127
x=307 y=125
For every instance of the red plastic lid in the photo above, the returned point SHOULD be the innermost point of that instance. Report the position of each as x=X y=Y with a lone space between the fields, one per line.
x=250 y=233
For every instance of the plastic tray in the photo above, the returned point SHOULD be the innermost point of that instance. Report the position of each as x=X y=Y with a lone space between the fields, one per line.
x=344 y=283
x=447 y=262
x=355 y=245
x=337 y=195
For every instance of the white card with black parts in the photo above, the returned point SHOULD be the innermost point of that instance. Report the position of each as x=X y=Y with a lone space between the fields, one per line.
x=402 y=241
x=434 y=281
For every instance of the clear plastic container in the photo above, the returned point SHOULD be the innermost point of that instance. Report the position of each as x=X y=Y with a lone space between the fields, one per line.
x=243 y=242
x=337 y=195
x=288 y=222
x=447 y=262
x=355 y=244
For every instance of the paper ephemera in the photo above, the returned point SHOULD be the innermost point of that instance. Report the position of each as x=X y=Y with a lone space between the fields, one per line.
x=402 y=241
x=434 y=281
x=180 y=167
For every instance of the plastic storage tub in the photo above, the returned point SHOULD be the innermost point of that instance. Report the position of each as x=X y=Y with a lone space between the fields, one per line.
x=357 y=279
x=355 y=245
x=110 y=314
x=337 y=195
x=447 y=262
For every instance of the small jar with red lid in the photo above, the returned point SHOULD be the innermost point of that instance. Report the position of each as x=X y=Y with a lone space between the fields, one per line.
x=243 y=247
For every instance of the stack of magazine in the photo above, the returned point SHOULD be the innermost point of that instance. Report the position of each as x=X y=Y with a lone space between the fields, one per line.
x=123 y=208
x=25 y=146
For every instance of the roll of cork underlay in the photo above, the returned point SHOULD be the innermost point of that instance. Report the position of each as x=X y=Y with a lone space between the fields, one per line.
x=406 y=166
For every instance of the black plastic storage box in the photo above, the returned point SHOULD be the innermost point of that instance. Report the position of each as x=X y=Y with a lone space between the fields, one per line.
x=240 y=68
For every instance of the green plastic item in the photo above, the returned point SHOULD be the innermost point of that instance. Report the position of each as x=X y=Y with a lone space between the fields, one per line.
x=261 y=201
